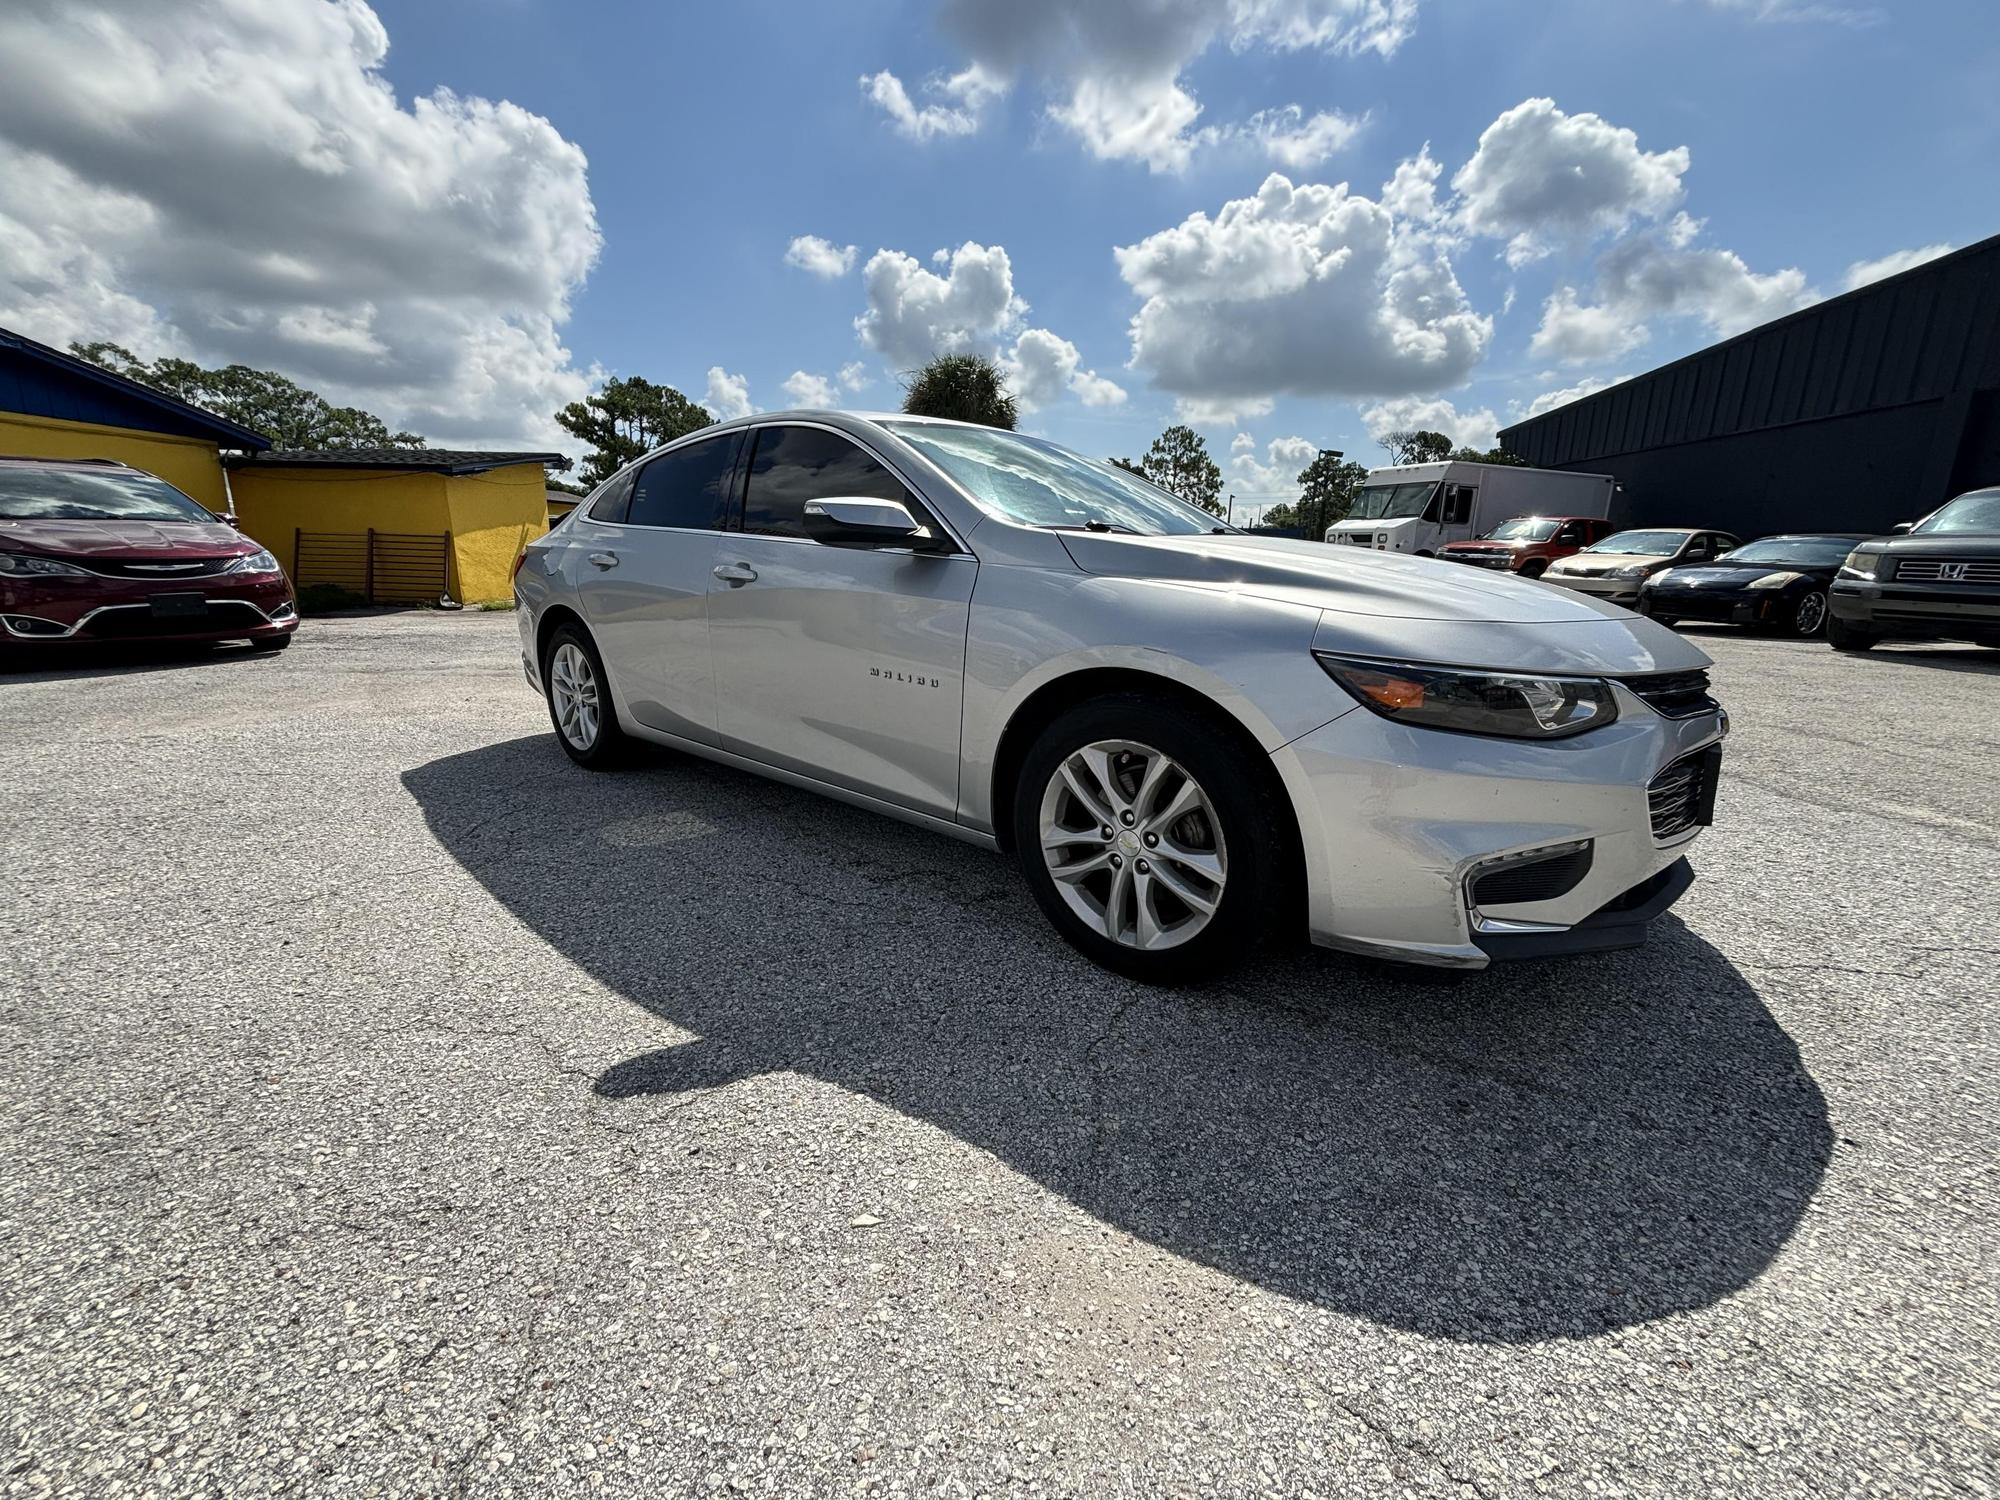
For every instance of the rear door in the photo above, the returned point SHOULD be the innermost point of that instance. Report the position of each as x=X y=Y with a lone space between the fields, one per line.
x=642 y=573
x=845 y=664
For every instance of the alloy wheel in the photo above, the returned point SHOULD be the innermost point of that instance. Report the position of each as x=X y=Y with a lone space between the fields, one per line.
x=573 y=691
x=1811 y=615
x=1133 y=844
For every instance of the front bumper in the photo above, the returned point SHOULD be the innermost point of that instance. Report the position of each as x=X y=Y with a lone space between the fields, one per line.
x=1396 y=821
x=1618 y=590
x=1499 y=562
x=66 y=611
x=1913 y=611
x=1764 y=607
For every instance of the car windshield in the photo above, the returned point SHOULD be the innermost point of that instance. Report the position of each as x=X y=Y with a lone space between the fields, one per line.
x=1034 y=483
x=1523 y=529
x=1794 y=551
x=1645 y=543
x=1976 y=514
x=84 y=495
x=1389 y=502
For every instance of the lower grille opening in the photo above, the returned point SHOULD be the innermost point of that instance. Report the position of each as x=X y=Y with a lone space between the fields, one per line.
x=29 y=626
x=138 y=622
x=1683 y=795
x=1533 y=877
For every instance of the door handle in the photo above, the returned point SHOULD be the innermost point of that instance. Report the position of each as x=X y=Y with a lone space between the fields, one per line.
x=736 y=573
x=604 y=559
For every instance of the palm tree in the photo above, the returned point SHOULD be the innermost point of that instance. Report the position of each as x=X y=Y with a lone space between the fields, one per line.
x=964 y=387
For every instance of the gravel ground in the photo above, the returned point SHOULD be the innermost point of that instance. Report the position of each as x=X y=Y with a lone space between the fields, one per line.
x=388 y=1107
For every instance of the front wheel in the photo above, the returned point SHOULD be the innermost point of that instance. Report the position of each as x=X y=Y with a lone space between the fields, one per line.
x=1534 y=567
x=1809 y=615
x=1148 y=843
x=580 y=707
x=1844 y=637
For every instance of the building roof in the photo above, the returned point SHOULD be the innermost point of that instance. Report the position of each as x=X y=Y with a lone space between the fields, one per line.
x=415 y=460
x=39 y=381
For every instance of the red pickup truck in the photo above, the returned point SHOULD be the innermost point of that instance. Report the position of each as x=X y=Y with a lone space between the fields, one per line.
x=1528 y=544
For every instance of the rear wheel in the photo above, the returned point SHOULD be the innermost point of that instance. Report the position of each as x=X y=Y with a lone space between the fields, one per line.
x=580 y=706
x=1809 y=615
x=1146 y=841
x=1844 y=637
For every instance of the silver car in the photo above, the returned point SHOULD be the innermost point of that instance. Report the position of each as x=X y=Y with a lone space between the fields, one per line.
x=1192 y=739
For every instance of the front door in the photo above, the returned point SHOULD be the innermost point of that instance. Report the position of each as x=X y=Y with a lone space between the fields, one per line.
x=845 y=664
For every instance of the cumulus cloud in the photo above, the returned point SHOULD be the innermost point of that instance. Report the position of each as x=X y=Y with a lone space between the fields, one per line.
x=1308 y=291
x=965 y=96
x=236 y=181
x=802 y=389
x=1477 y=428
x=1112 y=69
x=854 y=376
x=1042 y=366
x=1294 y=140
x=1893 y=264
x=1411 y=194
x=820 y=257
x=1550 y=400
x=728 y=395
x=1275 y=477
x=1664 y=275
x=1541 y=177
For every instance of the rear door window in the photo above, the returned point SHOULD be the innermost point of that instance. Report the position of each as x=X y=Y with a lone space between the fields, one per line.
x=792 y=465
x=687 y=488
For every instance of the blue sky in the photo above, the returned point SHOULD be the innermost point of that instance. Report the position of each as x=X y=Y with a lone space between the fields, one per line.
x=1815 y=137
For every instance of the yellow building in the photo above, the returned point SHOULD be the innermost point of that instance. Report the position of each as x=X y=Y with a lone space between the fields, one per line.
x=396 y=524
x=53 y=405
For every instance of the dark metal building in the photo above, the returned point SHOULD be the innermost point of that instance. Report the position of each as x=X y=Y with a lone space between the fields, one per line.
x=1864 y=410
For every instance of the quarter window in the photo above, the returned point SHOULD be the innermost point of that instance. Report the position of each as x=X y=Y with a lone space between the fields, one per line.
x=795 y=464
x=610 y=505
x=688 y=487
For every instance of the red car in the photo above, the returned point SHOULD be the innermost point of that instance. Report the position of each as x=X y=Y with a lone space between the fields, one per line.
x=1528 y=544
x=93 y=551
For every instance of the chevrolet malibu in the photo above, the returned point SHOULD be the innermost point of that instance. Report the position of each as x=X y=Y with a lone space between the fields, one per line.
x=1191 y=739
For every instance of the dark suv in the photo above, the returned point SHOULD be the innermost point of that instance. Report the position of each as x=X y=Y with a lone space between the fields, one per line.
x=93 y=551
x=1939 y=581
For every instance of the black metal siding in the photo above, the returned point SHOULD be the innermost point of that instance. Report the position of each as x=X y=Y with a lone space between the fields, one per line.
x=1855 y=414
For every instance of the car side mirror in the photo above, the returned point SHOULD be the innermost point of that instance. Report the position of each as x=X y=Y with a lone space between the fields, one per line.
x=856 y=522
x=1901 y=527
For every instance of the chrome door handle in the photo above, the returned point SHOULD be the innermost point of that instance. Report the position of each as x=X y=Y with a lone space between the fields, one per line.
x=604 y=559
x=736 y=573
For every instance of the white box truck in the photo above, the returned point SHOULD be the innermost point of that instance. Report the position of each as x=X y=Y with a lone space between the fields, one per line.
x=1419 y=507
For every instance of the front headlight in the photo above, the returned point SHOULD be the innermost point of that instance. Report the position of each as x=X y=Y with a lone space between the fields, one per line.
x=1773 y=580
x=1637 y=570
x=256 y=562
x=1862 y=565
x=20 y=565
x=1516 y=705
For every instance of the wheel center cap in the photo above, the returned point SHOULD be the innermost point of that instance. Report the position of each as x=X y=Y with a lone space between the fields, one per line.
x=1128 y=841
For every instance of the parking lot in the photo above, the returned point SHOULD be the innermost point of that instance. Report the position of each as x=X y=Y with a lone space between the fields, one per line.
x=389 y=1107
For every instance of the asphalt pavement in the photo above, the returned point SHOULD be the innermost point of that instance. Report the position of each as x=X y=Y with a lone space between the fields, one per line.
x=388 y=1107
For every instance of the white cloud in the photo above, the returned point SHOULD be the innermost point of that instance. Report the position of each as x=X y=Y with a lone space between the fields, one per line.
x=1411 y=194
x=234 y=181
x=854 y=376
x=1550 y=400
x=1042 y=366
x=802 y=389
x=1664 y=275
x=1199 y=411
x=728 y=395
x=1275 y=477
x=820 y=257
x=1303 y=290
x=1893 y=264
x=1541 y=177
x=1112 y=69
x=1288 y=137
x=1476 y=428
x=968 y=91
x=1803 y=10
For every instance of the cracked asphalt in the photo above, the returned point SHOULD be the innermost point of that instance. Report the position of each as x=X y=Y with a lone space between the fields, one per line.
x=389 y=1108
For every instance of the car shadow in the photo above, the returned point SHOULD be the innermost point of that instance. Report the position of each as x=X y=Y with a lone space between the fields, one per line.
x=116 y=659
x=1546 y=1150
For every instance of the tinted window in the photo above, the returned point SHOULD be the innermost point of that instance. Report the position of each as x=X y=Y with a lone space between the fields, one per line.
x=92 y=495
x=1975 y=514
x=687 y=487
x=796 y=464
x=610 y=506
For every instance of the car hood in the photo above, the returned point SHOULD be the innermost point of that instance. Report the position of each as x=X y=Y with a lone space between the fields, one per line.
x=1481 y=545
x=1413 y=608
x=124 y=539
x=1611 y=562
x=1738 y=573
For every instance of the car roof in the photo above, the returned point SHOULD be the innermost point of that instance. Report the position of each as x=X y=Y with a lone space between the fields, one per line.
x=24 y=461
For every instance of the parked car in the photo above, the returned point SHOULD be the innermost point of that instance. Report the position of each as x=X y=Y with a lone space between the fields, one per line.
x=1940 y=581
x=92 y=550
x=1528 y=544
x=1779 y=583
x=1189 y=737
x=1617 y=567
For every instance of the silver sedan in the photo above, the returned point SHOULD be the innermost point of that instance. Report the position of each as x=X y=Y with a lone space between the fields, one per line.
x=1192 y=739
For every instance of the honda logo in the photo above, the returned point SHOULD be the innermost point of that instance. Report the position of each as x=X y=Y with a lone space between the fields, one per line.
x=1952 y=572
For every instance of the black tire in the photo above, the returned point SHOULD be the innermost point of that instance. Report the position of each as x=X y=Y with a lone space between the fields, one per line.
x=271 y=643
x=1844 y=637
x=1809 y=615
x=609 y=746
x=1262 y=888
x=1534 y=567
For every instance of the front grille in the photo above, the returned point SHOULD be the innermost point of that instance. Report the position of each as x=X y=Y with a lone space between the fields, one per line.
x=1542 y=879
x=167 y=570
x=1683 y=795
x=1677 y=695
x=1482 y=559
x=1947 y=570
x=138 y=622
